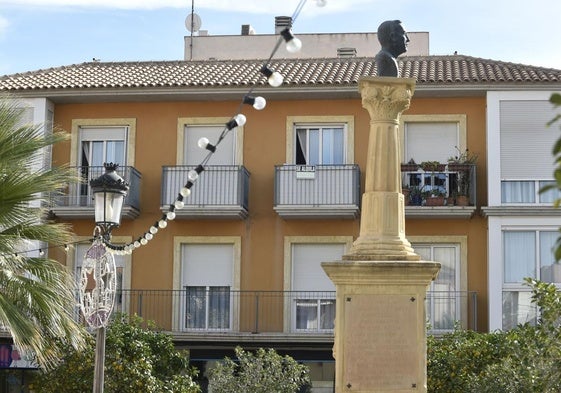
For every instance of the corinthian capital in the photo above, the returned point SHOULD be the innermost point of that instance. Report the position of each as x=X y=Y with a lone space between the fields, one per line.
x=386 y=97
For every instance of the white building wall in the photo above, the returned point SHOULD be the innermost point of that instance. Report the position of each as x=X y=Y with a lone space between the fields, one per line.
x=500 y=220
x=239 y=47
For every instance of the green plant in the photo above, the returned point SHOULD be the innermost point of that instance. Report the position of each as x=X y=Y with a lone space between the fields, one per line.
x=463 y=157
x=525 y=359
x=137 y=359
x=264 y=371
x=36 y=293
x=431 y=166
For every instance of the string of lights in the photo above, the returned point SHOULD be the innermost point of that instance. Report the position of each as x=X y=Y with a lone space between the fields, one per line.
x=274 y=79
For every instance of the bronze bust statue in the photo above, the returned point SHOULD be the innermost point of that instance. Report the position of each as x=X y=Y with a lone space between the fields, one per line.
x=394 y=40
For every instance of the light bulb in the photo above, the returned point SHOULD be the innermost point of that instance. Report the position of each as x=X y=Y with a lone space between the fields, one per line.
x=192 y=175
x=259 y=103
x=203 y=142
x=240 y=119
x=185 y=192
x=153 y=230
x=136 y=244
x=143 y=241
x=148 y=236
x=178 y=205
x=294 y=45
x=276 y=79
x=162 y=224
x=171 y=215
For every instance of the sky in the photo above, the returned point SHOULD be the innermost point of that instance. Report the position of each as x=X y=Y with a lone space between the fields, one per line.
x=37 y=34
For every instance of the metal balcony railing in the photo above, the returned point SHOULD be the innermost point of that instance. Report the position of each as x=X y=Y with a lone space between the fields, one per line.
x=220 y=191
x=448 y=181
x=317 y=191
x=77 y=200
x=204 y=310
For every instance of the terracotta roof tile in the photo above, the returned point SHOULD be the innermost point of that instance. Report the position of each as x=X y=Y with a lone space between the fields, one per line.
x=427 y=70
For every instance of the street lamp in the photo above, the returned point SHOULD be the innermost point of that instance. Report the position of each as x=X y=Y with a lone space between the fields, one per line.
x=109 y=192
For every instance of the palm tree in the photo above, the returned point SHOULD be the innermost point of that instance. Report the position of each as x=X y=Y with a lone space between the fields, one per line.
x=37 y=298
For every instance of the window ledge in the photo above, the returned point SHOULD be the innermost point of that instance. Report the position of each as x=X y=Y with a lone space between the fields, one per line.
x=538 y=210
x=439 y=211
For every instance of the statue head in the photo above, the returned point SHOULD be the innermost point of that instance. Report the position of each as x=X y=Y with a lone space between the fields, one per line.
x=392 y=37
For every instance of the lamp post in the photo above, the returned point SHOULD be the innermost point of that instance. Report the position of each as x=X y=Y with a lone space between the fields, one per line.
x=109 y=192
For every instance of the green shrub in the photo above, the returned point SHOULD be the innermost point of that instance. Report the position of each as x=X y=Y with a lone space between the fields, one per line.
x=526 y=359
x=264 y=371
x=136 y=360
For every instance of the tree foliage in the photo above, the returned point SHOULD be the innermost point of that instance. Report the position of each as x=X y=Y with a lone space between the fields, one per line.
x=526 y=359
x=36 y=293
x=137 y=359
x=264 y=371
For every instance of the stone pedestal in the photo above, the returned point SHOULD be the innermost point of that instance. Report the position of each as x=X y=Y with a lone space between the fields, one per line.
x=380 y=325
x=381 y=284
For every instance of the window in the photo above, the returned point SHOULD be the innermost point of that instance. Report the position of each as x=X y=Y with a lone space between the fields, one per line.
x=320 y=140
x=525 y=163
x=208 y=270
x=95 y=142
x=191 y=129
x=311 y=300
x=526 y=253
x=320 y=144
x=444 y=299
x=432 y=137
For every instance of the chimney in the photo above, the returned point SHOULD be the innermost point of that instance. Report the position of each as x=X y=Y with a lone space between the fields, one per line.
x=282 y=22
x=247 y=30
x=346 y=52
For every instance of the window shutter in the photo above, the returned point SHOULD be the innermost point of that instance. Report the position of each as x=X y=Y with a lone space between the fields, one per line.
x=193 y=154
x=103 y=134
x=526 y=141
x=207 y=264
x=307 y=273
x=430 y=141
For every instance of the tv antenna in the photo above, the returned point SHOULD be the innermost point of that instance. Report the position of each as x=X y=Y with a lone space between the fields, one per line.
x=193 y=24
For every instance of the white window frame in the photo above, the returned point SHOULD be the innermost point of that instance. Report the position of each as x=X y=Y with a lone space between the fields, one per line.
x=461 y=243
x=76 y=142
x=496 y=226
x=289 y=304
x=293 y=122
x=494 y=99
x=178 y=309
x=459 y=119
x=520 y=286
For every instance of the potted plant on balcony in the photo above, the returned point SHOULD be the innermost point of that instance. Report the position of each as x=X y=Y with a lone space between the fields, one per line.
x=410 y=166
x=432 y=166
x=434 y=197
x=415 y=196
x=462 y=161
x=462 y=164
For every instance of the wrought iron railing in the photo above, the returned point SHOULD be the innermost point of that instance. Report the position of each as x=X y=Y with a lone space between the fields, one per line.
x=79 y=194
x=456 y=185
x=218 y=309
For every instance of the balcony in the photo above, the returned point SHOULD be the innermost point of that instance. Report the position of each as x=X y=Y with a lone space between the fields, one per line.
x=221 y=191
x=221 y=314
x=317 y=191
x=445 y=192
x=77 y=200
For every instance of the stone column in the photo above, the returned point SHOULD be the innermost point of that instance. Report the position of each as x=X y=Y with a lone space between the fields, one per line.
x=381 y=284
x=382 y=225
